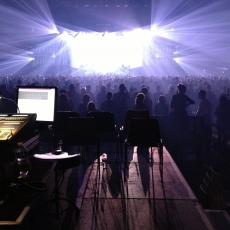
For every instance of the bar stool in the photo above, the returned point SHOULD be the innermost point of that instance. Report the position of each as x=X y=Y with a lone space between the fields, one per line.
x=64 y=161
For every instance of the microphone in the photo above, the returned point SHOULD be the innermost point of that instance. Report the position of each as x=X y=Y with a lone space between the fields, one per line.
x=1 y=97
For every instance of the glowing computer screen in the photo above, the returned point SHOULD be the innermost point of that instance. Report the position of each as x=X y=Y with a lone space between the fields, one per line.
x=39 y=100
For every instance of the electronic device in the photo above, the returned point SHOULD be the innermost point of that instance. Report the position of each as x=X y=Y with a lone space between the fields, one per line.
x=11 y=125
x=14 y=128
x=41 y=100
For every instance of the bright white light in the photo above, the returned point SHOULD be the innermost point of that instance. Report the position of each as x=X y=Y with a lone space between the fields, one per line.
x=64 y=33
x=109 y=52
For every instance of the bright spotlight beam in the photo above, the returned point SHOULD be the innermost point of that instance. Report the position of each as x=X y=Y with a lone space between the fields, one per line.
x=13 y=66
x=200 y=29
x=25 y=20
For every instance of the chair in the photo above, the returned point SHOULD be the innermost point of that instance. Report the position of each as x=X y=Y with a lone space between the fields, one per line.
x=146 y=133
x=59 y=126
x=81 y=131
x=130 y=114
x=103 y=123
x=105 y=127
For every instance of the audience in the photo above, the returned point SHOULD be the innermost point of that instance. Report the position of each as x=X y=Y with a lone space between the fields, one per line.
x=88 y=91
x=71 y=102
x=179 y=103
x=204 y=108
x=139 y=102
x=74 y=96
x=204 y=111
x=156 y=95
x=83 y=109
x=91 y=107
x=101 y=96
x=184 y=102
x=161 y=108
x=121 y=99
x=147 y=101
x=109 y=105
x=63 y=103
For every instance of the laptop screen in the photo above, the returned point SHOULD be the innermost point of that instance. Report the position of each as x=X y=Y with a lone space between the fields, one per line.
x=39 y=100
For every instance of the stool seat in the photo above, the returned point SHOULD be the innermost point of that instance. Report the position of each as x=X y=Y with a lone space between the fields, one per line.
x=51 y=156
x=64 y=161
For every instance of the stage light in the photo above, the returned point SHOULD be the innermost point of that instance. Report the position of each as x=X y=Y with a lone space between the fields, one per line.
x=76 y=34
x=94 y=52
x=154 y=30
x=54 y=31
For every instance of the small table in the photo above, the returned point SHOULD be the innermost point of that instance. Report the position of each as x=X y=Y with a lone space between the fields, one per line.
x=64 y=161
x=14 y=209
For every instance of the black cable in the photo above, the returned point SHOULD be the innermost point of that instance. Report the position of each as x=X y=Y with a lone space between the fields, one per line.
x=42 y=187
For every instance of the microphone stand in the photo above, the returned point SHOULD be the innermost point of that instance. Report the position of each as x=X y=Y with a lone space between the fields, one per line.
x=5 y=98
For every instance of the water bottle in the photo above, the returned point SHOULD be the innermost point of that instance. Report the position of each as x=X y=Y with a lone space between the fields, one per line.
x=60 y=145
x=59 y=149
x=21 y=154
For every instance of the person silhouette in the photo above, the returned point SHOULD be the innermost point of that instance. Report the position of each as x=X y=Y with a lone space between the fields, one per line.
x=204 y=111
x=91 y=107
x=180 y=102
x=63 y=103
x=83 y=106
x=161 y=108
x=109 y=105
x=179 y=120
x=139 y=104
x=74 y=96
x=121 y=99
x=147 y=101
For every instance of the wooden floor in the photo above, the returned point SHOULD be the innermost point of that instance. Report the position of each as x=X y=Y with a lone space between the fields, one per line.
x=145 y=201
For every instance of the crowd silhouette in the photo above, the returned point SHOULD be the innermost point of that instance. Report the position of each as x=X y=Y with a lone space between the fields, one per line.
x=174 y=97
